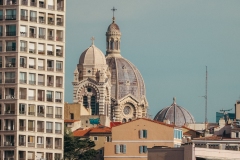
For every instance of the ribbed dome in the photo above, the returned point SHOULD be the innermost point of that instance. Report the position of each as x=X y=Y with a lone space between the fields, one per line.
x=113 y=27
x=92 y=56
x=125 y=79
x=175 y=114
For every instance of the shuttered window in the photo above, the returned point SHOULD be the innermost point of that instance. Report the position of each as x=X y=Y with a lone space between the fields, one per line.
x=117 y=149
x=143 y=133
x=120 y=148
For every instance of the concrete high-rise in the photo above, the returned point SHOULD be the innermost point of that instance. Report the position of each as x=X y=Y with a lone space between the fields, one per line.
x=32 y=44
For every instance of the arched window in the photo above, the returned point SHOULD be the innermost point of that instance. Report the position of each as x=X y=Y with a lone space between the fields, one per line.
x=85 y=101
x=93 y=105
x=112 y=44
x=116 y=45
x=107 y=45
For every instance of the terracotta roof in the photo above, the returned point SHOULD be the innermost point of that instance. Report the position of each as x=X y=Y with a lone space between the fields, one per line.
x=70 y=121
x=169 y=125
x=99 y=129
x=214 y=137
x=113 y=124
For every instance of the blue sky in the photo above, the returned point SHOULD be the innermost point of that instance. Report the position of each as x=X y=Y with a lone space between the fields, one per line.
x=170 y=42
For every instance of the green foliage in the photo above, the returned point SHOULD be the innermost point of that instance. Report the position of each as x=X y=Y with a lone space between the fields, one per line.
x=78 y=148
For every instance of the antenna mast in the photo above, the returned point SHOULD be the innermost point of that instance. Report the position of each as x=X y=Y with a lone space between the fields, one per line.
x=206 y=120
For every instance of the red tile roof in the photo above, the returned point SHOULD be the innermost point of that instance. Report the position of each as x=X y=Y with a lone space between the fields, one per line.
x=99 y=129
x=113 y=124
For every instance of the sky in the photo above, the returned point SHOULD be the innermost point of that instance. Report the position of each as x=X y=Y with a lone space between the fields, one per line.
x=171 y=42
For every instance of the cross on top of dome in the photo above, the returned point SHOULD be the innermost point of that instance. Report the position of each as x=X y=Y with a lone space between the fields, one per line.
x=113 y=9
x=92 y=39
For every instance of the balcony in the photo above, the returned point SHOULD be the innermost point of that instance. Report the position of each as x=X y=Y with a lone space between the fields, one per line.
x=41 y=20
x=51 y=22
x=40 y=114
x=22 y=96
x=23 y=49
x=41 y=5
x=10 y=17
x=58 y=131
x=59 y=39
x=49 y=146
x=50 y=99
x=22 y=128
x=9 y=112
x=51 y=38
x=50 y=53
x=59 y=69
x=22 y=143
x=9 y=97
x=32 y=50
x=49 y=115
x=58 y=85
x=60 y=8
x=58 y=147
x=10 y=48
x=58 y=116
x=50 y=68
x=9 y=128
x=10 y=33
x=32 y=66
x=40 y=68
x=10 y=65
x=23 y=81
x=49 y=130
x=23 y=65
x=24 y=2
x=40 y=145
x=32 y=82
x=40 y=129
x=33 y=19
x=8 y=143
x=41 y=52
x=24 y=18
x=12 y=80
x=51 y=7
x=34 y=4
x=31 y=128
x=32 y=35
x=58 y=100
x=31 y=98
x=31 y=113
x=59 y=54
x=59 y=23
x=41 y=83
x=41 y=36
x=30 y=144
x=22 y=113
x=50 y=84
x=11 y=2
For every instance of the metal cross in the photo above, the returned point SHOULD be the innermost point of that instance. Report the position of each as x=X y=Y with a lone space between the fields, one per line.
x=113 y=9
x=92 y=39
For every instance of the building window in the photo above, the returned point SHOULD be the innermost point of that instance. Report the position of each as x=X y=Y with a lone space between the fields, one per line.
x=237 y=134
x=71 y=115
x=95 y=138
x=120 y=148
x=100 y=151
x=177 y=134
x=108 y=139
x=142 y=149
x=143 y=133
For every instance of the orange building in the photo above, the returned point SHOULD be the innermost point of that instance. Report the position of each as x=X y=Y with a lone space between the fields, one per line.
x=131 y=140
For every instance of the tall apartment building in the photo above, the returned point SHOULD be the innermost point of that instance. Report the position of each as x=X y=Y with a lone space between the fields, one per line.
x=32 y=44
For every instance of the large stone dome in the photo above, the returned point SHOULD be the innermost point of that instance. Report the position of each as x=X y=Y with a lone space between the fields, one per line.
x=125 y=79
x=175 y=114
x=92 y=56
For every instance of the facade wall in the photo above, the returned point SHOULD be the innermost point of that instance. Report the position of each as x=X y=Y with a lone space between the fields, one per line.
x=237 y=110
x=75 y=108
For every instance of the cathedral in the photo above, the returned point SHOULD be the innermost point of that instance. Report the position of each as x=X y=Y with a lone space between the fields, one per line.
x=109 y=84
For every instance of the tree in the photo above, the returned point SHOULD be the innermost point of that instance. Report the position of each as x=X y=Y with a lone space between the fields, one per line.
x=78 y=148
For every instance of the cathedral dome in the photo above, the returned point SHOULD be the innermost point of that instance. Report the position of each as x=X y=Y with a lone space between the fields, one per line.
x=92 y=56
x=125 y=79
x=113 y=27
x=175 y=114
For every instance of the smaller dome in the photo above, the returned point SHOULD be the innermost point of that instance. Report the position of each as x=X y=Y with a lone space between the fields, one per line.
x=113 y=27
x=175 y=114
x=92 y=56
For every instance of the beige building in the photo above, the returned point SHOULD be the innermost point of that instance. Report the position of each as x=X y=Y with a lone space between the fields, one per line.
x=237 y=110
x=131 y=140
x=32 y=45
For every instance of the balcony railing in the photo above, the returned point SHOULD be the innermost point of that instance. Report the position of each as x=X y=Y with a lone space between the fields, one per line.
x=49 y=99
x=58 y=147
x=9 y=97
x=8 y=158
x=58 y=131
x=32 y=35
x=23 y=65
x=60 y=23
x=34 y=4
x=49 y=130
x=58 y=85
x=58 y=100
x=10 y=65
x=50 y=7
x=22 y=128
x=9 y=112
x=40 y=67
x=10 y=17
x=12 y=80
x=50 y=68
x=59 y=69
x=50 y=38
x=22 y=96
x=51 y=22
x=58 y=116
x=33 y=19
x=22 y=113
x=59 y=54
x=49 y=146
x=31 y=98
x=41 y=20
x=42 y=5
x=32 y=82
x=7 y=143
x=41 y=36
x=40 y=114
x=50 y=53
x=11 y=2
x=8 y=128
x=23 y=49
x=31 y=113
x=32 y=51
x=24 y=18
x=24 y=2
x=49 y=84
x=40 y=98
x=32 y=66
x=40 y=129
x=23 y=81
x=49 y=115
x=10 y=48
x=22 y=143
x=30 y=144
x=1 y=17
x=31 y=129
x=59 y=39
x=41 y=51
x=41 y=83
x=60 y=8
x=40 y=145
x=11 y=33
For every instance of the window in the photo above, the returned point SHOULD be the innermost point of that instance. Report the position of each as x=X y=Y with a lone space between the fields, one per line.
x=32 y=79
x=23 y=46
x=40 y=140
x=11 y=14
x=177 y=134
x=58 y=128
x=120 y=148
x=108 y=139
x=49 y=127
x=11 y=46
x=58 y=97
x=32 y=47
x=24 y=14
x=142 y=149
x=41 y=80
x=95 y=138
x=50 y=111
x=42 y=33
x=58 y=112
x=72 y=115
x=33 y=16
x=49 y=96
x=23 y=77
x=22 y=108
x=237 y=134
x=10 y=30
x=100 y=151
x=143 y=133
x=59 y=66
x=31 y=63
